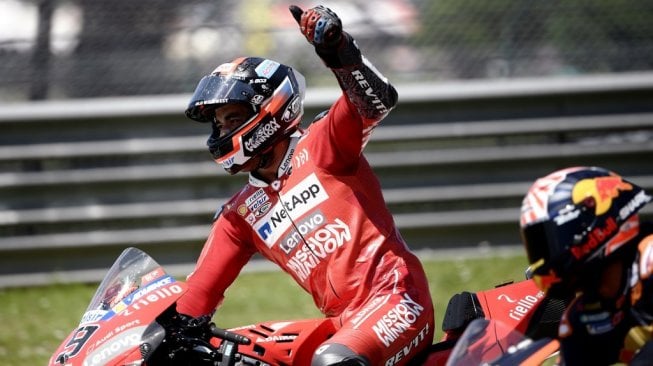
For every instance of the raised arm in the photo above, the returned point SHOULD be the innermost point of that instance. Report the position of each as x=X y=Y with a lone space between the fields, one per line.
x=366 y=88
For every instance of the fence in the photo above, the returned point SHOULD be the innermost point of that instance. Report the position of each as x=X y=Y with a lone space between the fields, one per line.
x=59 y=49
x=81 y=180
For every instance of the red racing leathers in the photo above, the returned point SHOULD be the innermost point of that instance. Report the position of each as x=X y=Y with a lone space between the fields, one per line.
x=325 y=222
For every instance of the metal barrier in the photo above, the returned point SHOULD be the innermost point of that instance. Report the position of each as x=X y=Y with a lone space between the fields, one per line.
x=81 y=180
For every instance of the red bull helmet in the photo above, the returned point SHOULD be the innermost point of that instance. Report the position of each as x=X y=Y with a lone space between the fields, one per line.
x=274 y=91
x=575 y=218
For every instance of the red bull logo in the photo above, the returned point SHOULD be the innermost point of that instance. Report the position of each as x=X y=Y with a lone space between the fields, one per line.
x=602 y=189
x=597 y=237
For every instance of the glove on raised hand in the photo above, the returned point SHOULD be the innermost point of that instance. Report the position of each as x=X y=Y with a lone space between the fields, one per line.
x=323 y=29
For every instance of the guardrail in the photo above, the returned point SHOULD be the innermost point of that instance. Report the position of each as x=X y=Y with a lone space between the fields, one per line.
x=81 y=181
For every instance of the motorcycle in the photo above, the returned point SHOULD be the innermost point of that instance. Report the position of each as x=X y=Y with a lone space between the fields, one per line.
x=491 y=342
x=130 y=321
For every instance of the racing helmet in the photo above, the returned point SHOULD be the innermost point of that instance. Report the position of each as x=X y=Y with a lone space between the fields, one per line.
x=275 y=93
x=572 y=220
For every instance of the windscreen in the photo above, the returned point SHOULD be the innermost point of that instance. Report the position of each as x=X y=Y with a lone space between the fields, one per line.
x=132 y=270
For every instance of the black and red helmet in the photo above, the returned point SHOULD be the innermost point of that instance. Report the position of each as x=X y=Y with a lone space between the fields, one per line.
x=575 y=218
x=275 y=93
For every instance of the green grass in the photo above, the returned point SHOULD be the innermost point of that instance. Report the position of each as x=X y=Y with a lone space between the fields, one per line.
x=33 y=321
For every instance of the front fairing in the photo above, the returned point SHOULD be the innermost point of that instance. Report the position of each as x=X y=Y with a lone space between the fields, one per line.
x=492 y=342
x=513 y=304
x=133 y=293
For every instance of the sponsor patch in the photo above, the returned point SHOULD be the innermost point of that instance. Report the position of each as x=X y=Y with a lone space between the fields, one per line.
x=114 y=347
x=407 y=350
x=300 y=158
x=522 y=306
x=302 y=229
x=601 y=323
x=299 y=200
x=317 y=247
x=373 y=99
x=242 y=210
x=92 y=316
x=258 y=204
x=397 y=320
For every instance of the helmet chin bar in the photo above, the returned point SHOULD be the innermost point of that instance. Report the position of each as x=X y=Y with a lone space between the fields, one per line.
x=265 y=158
x=232 y=170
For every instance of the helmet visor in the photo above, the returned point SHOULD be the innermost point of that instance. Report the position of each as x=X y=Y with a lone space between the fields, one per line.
x=543 y=249
x=550 y=242
x=214 y=91
x=537 y=242
x=556 y=244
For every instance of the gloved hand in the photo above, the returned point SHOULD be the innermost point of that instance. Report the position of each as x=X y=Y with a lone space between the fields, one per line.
x=321 y=26
x=323 y=29
x=191 y=327
x=182 y=334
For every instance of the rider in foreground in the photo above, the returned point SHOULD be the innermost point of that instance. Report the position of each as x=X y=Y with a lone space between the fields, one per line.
x=312 y=204
x=583 y=235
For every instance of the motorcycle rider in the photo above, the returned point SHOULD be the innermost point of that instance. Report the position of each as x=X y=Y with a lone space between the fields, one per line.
x=312 y=204
x=583 y=236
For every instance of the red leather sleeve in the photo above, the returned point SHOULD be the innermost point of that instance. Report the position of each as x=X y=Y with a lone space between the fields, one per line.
x=221 y=260
x=339 y=138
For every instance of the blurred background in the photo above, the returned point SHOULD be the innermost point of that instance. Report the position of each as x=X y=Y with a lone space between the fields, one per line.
x=61 y=49
x=96 y=153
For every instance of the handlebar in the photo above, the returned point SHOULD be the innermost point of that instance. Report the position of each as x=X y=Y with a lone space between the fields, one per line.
x=229 y=336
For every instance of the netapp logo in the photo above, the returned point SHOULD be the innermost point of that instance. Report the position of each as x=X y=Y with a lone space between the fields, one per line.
x=299 y=200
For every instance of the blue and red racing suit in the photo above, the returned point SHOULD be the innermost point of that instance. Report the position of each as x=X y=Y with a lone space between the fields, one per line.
x=324 y=221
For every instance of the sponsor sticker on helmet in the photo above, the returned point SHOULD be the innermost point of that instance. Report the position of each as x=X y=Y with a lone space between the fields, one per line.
x=260 y=135
x=597 y=237
x=535 y=204
x=257 y=99
x=566 y=214
x=266 y=68
x=634 y=205
x=225 y=68
x=293 y=109
x=229 y=162
x=602 y=189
